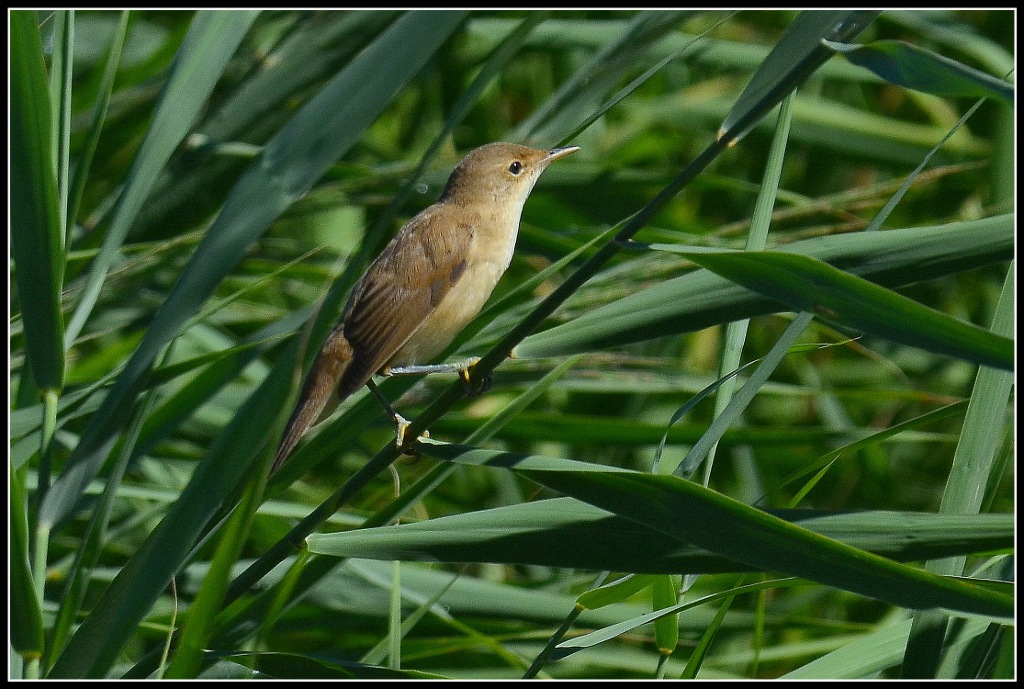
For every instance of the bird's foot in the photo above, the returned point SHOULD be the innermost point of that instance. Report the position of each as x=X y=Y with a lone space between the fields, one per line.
x=405 y=445
x=475 y=386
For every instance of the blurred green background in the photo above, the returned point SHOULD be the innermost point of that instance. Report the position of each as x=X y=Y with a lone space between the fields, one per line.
x=223 y=178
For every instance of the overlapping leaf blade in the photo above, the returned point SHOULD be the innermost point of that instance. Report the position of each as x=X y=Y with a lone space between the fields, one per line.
x=562 y=532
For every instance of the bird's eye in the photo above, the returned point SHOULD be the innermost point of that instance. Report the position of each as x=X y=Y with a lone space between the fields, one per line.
x=516 y=167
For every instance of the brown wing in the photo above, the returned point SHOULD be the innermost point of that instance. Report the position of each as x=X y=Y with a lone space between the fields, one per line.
x=401 y=288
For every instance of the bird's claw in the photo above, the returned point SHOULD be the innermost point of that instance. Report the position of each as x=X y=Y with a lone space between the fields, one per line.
x=475 y=386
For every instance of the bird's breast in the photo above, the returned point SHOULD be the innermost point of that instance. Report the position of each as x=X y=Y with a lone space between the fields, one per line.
x=487 y=257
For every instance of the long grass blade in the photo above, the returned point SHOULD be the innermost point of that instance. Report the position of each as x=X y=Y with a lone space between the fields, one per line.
x=700 y=299
x=742 y=533
x=93 y=648
x=913 y=67
x=36 y=231
x=970 y=475
x=211 y=41
x=836 y=296
x=563 y=532
x=85 y=156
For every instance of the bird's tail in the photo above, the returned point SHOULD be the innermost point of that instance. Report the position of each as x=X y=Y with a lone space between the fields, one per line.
x=317 y=392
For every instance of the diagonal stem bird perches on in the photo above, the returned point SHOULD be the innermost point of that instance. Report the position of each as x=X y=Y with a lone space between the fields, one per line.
x=426 y=285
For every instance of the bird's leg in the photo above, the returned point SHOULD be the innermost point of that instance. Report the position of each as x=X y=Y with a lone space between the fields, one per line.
x=464 y=369
x=401 y=423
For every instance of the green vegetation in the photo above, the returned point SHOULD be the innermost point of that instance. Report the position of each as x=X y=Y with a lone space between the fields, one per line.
x=703 y=459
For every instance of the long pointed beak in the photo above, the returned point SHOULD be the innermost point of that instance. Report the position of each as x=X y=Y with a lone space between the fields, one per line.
x=556 y=153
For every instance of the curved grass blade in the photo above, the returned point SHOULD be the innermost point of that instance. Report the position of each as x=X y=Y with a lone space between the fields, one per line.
x=806 y=284
x=695 y=514
x=615 y=591
x=736 y=331
x=701 y=299
x=690 y=404
x=913 y=67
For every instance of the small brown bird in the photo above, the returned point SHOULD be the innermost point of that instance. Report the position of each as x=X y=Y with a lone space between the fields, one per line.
x=426 y=285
